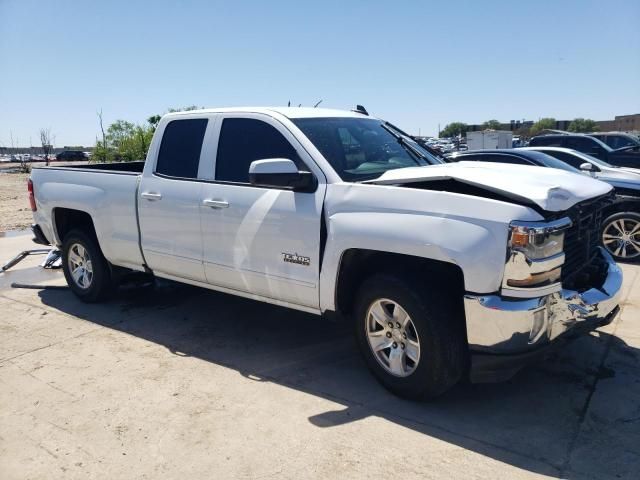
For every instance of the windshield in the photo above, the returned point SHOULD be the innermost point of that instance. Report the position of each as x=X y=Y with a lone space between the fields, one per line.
x=552 y=162
x=362 y=148
x=592 y=159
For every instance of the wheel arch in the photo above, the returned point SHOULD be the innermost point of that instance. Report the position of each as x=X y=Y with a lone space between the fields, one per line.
x=358 y=264
x=67 y=219
x=622 y=204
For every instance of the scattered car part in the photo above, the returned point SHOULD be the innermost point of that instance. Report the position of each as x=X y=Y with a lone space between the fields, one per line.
x=22 y=255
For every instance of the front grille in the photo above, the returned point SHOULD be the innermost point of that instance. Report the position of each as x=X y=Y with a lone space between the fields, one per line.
x=581 y=241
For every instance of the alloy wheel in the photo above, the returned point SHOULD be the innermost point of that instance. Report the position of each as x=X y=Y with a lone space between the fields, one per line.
x=621 y=238
x=80 y=266
x=393 y=337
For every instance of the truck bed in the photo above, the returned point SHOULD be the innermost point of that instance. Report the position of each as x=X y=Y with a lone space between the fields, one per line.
x=109 y=198
x=112 y=167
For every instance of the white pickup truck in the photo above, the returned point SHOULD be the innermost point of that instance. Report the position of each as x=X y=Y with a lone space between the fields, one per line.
x=446 y=270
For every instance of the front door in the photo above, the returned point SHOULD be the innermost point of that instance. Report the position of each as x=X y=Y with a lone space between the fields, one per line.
x=263 y=241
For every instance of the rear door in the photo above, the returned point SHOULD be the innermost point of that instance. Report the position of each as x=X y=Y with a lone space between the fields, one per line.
x=169 y=201
x=262 y=241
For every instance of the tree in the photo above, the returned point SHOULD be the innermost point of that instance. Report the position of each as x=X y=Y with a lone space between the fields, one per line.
x=101 y=151
x=453 y=130
x=45 y=141
x=542 y=124
x=126 y=141
x=153 y=120
x=119 y=132
x=185 y=109
x=582 y=125
x=492 y=125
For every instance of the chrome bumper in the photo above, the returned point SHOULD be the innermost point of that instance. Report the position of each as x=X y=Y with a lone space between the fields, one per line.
x=501 y=325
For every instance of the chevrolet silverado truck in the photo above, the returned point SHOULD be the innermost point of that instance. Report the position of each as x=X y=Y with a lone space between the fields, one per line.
x=446 y=270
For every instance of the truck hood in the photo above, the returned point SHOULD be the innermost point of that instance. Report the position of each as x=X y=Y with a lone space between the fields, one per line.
x=550 y=189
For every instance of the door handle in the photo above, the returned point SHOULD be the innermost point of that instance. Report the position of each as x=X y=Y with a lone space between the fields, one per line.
x=215 y=203
x=151 y=195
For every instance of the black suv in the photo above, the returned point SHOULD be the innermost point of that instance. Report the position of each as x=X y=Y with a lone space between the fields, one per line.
x=70 y=155
x=621 y=157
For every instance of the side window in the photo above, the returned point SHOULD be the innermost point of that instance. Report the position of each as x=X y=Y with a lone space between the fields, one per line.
x=547 y=141
x=583 y=144
x=180 y=148
x=243 y=140
x=566 y=158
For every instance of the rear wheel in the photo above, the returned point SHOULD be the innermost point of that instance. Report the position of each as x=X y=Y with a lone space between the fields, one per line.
x=410 y=335
x=621 y=236
x=87 y=272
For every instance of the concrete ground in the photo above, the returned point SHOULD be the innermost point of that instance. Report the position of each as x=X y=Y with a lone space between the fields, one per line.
x=179 y=382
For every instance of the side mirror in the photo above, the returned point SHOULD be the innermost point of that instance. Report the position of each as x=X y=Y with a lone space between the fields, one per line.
x=280 y=173
x=589 y=168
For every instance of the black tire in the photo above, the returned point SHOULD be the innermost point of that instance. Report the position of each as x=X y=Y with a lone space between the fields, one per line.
x=618 y=250
x=438 y=320
x=101 y=284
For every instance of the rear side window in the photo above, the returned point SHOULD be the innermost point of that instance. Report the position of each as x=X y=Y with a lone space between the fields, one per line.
x=547 y=141
x=180 y=148
x=244 y=140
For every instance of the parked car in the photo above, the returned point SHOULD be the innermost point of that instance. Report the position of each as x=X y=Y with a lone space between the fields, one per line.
x=513 y=156
x=71 y=155
x=621 y=227
x=444 y=269
x=621 y=157
x=617 y=139
x=620 y=231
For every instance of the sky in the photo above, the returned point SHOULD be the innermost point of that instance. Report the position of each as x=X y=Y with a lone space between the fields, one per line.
x=418 y=64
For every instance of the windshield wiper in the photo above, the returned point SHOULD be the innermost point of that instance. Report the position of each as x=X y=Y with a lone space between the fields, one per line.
x=402 y=140
x=429 y=150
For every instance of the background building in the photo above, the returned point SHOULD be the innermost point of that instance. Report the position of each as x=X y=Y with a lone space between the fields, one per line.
x=622 y=123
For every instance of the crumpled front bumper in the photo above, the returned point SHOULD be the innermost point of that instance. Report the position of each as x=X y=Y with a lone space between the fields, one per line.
x=505 y=334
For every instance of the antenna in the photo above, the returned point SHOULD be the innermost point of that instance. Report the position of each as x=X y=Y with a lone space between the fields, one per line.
x=316 y=105
x=361 y=109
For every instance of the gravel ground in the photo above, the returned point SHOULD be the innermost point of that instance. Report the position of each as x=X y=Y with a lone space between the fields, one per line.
x=15 y=213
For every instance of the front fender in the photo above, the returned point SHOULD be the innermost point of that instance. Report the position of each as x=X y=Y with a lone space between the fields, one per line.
x=479 y=250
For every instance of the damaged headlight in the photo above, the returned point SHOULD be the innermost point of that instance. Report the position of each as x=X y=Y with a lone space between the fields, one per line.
x=535 y=254
x=537 y=241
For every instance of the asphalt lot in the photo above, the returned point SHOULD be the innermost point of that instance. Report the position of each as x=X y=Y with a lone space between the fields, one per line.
x=179 y=382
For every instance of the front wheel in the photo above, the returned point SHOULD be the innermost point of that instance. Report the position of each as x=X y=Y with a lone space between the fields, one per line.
x=621 y=236
x=411 y=336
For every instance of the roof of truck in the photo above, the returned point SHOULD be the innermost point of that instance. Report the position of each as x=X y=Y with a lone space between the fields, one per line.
x=290 y=112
